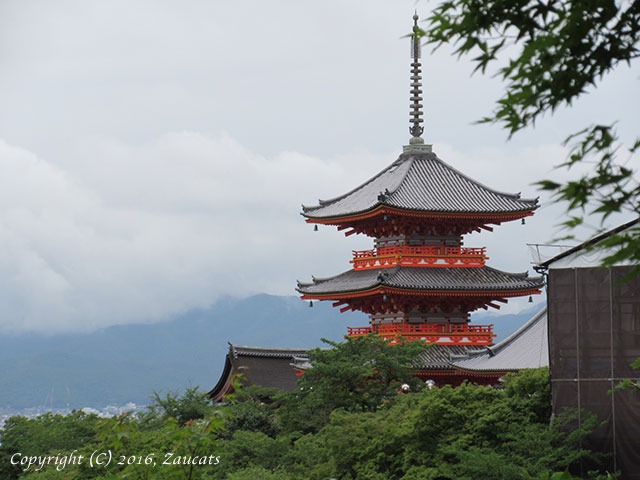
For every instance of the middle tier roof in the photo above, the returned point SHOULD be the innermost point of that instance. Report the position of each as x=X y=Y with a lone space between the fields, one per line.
x=461 y=280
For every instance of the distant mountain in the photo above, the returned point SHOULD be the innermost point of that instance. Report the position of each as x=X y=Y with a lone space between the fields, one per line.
x=127 y=363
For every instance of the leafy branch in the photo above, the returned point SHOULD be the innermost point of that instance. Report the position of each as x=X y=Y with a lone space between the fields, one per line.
x=556 y=51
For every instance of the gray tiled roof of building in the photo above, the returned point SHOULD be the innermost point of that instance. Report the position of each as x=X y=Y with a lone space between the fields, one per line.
x=423 y=278
x=528 y=347
x=246 y=351
x=439 y=356
x=421 y=182
x=268 y=367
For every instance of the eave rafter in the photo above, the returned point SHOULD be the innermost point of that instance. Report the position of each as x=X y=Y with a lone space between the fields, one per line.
x=384 y=299
x=384 y=221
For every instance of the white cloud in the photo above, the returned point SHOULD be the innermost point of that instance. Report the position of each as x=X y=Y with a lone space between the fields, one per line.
x=107 y=218
x=127 y=233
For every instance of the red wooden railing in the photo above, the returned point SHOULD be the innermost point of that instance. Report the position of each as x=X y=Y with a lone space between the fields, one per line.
x=431 y=332
x=419 y=256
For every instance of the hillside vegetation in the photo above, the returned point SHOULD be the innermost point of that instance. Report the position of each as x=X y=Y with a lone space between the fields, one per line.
x=349 y=420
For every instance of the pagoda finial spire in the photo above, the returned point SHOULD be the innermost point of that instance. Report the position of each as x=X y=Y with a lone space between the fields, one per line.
x=416 y=87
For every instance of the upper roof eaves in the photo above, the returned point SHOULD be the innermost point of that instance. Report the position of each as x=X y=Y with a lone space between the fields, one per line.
x=421 y=182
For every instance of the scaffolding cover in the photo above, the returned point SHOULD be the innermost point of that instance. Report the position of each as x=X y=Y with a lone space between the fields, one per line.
x=594 y=336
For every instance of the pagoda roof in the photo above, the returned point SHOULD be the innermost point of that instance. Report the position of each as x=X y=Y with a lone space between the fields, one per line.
x=467 y=279
x=420 y=181
x=528 y=347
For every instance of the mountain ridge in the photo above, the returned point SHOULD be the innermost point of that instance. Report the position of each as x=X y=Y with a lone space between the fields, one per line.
x=127 y=363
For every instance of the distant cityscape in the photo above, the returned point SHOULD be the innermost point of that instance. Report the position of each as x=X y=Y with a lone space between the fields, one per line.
x=108 y=411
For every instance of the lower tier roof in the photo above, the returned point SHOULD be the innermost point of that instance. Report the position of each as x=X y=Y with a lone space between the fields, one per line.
x=424 y=279
x=438 y=357
x=528 y=347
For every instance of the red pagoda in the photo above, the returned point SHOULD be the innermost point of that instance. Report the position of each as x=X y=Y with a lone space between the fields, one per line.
x=419 y=281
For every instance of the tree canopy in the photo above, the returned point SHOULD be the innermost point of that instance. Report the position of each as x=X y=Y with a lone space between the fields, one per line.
x=360 y=374
x=466 y=432
x=554 y=51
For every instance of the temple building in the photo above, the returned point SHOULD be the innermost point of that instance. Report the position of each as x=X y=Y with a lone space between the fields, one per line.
x=267 y=367
x=419 y=281
x=527 y=347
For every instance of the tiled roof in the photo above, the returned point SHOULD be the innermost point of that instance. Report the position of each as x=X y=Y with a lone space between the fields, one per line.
x=420 y=181
x=423 y=278
x=268 y=367
x=439 y=356
x=528 y=347
x=245 y=351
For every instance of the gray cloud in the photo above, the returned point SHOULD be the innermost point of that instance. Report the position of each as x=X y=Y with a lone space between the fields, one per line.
x=127 y=233
x=154 y=155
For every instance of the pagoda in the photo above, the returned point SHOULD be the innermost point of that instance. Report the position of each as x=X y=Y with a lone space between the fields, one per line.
x=419 y=281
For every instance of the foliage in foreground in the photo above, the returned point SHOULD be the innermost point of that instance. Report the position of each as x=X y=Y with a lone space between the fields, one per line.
x=358 y=375
x=372 y=432
x=553 y=52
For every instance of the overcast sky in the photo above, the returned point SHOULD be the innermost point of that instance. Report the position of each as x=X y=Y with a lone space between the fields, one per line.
x=154 y=154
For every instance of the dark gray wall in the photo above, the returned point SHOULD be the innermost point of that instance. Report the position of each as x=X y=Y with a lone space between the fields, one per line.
x=594 y=335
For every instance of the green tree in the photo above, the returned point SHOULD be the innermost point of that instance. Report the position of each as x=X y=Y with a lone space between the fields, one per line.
x=628 y=383
x=252 y=409
x=555 y=50
x=177 y=429
x=466 y=432
x=360 y=374
x=445 y=433
x=43 y=435
x=258 y=473
x=534 y=388
x=245 y=450
x=192 y=405
x=169 y=450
